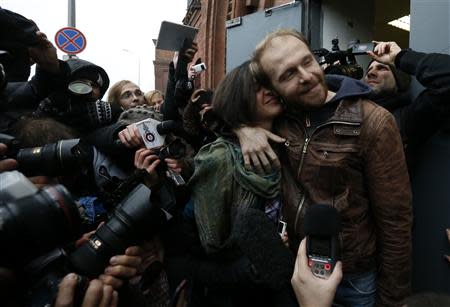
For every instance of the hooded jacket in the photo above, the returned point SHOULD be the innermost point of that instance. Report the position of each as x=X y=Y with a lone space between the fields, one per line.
x=82 y=69
x=349 y=154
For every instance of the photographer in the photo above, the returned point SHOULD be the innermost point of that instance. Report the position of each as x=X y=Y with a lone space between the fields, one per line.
x=179 y=86
x=199 y=121
x=21 y=42
x=389 y=77
x=78 y=103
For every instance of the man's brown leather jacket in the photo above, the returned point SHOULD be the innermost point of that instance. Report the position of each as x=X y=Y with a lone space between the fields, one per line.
x=354 y=162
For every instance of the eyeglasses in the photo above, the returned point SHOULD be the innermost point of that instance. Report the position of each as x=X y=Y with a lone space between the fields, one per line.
x=129 y=94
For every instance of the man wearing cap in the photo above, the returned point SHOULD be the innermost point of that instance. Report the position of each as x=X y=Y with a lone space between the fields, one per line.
x=389 y=77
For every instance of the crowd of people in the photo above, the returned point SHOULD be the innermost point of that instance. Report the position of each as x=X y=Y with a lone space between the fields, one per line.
x=109 y=221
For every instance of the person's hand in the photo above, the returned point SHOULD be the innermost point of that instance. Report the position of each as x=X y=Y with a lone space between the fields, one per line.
x=175 y=59
x=130 y=136
x=205 y=108
x=385 y=52
x=122 y=267
x=175 y=165
x=258 y=154
x=6 y=164
x=44 y=54
x=97 y=294
x=312 y=291
x=192 y=74
x=147 y=159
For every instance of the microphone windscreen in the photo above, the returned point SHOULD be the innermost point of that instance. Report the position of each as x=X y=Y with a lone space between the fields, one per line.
x=321 y=220
x=168 y=126
x=258 y=239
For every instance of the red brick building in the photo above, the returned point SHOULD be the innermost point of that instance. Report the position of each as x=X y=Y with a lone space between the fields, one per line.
x=210 y=17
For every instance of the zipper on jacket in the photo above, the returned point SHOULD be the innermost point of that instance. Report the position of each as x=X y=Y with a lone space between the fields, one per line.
x=308 y=139
x=307 y=121
x=304 y=151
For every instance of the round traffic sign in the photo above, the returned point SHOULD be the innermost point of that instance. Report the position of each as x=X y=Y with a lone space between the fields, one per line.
x=70 y=40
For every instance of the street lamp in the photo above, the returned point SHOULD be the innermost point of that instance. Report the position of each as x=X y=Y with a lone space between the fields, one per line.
x=139 y=64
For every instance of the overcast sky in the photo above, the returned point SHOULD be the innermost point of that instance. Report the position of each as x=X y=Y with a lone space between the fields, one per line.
x=110 y=26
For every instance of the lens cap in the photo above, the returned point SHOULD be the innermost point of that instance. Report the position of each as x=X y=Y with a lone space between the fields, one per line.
x=80 y=87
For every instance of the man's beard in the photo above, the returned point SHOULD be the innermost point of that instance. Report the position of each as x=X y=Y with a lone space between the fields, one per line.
x=302 y=103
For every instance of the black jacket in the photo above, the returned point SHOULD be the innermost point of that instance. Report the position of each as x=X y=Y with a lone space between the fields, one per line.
x=420 y=118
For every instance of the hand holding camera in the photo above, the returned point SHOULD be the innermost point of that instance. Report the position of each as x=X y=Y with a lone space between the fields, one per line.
x=97 y=293
x=122 y=267
x=148 y=159
x=6 y=164
x=196 y=70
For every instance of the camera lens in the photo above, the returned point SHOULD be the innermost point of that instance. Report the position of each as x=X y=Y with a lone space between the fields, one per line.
x=52 y=159
x=36 y=224
x=134 y=220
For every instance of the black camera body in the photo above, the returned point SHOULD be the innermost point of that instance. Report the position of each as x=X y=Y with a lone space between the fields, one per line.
x=174 y=149
x=63 y=157
x=34 y=221
x=133 y=220
x=342 y=62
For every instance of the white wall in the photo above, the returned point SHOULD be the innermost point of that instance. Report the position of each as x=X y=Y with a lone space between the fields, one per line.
x=348 y=20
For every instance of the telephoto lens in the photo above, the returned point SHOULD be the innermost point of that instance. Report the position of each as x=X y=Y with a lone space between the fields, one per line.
x=34 y=221
x=63 y=157
x=134 y=220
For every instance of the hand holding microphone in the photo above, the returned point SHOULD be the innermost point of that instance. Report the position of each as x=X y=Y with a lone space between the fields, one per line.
x=322 y=225
x=318 y=272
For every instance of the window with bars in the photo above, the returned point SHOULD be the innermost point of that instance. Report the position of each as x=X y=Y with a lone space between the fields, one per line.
x=230 y=7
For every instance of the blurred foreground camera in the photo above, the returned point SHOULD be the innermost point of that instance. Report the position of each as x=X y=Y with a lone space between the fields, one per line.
x=34 y=221
x=63 y=157
x=134 y=220
x=342 y=62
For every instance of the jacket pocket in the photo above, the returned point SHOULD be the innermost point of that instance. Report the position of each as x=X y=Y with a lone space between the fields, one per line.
x=333 y=155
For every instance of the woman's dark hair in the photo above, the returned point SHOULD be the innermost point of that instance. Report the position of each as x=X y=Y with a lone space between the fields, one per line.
x=234 y=100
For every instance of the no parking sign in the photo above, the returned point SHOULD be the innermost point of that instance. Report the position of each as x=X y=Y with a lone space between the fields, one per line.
x=70 y=40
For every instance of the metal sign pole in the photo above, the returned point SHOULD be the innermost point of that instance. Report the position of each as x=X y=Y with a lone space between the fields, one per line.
x=71 y=20
x=71 y=14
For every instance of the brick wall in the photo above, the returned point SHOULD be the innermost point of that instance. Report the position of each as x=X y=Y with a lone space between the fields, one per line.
x=210 y=16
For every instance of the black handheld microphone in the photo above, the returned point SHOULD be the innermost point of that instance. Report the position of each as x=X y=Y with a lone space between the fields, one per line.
x=322 y=225
x=168 y=126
